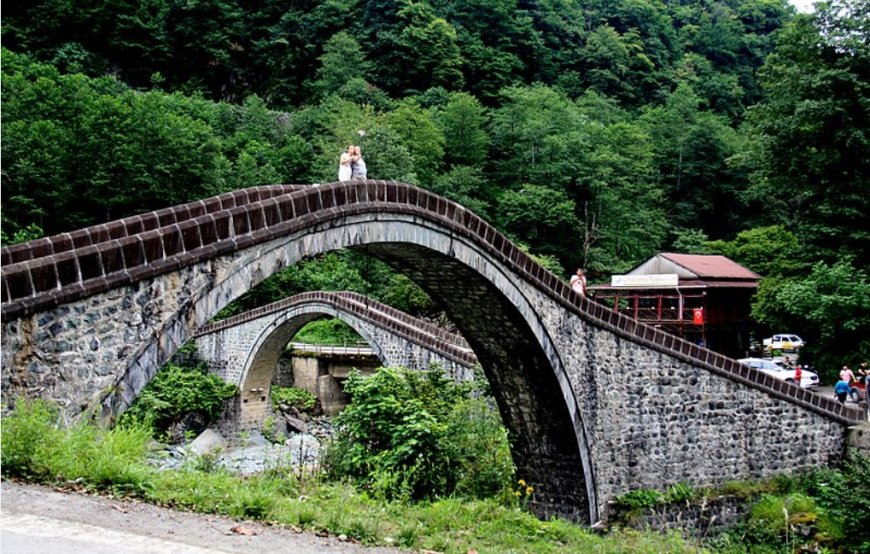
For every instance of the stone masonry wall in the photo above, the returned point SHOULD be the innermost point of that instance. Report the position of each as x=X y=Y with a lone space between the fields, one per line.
x=655 y=420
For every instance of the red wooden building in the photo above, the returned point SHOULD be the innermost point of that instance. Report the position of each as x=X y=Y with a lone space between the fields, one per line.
x=702 y=298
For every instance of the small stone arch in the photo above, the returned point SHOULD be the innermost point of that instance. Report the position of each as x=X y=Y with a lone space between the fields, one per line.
x=259 y=366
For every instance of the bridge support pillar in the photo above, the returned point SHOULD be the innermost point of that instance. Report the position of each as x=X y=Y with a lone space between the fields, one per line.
x=305 y=373
x=255 y=408
x=332 y=398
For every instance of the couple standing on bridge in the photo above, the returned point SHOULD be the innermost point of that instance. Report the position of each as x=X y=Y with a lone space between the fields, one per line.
x=351 y=164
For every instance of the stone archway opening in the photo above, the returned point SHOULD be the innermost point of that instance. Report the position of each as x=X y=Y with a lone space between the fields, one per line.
x=531 y=400
x=317 y=366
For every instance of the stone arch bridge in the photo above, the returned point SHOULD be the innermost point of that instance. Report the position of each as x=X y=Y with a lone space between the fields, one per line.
x=244 y=349
x=596 y=404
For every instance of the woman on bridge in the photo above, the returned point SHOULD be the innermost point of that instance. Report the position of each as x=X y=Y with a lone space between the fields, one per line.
x=344 y=164
x=578 y=282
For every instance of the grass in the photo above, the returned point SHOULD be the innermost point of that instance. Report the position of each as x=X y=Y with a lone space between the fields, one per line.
x=36 y=448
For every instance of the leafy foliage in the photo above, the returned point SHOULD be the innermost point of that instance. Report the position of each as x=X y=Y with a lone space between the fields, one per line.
x=411 y=435
x=812 y=132
x=36 y=446
x=25 y=433
x=844 y=494
x=292 y=396
x=831 y=306
x=176 y=391
x=328 y=331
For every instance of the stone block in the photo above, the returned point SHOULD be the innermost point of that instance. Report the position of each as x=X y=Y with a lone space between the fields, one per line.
x=207 y=442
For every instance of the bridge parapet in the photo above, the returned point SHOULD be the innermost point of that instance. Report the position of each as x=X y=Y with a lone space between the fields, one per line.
x=137 y=224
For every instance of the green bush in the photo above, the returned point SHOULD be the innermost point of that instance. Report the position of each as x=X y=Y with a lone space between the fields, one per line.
x=177 y=391
x=823 y=510
x=292 y=396
x=413 y=435
x=478 y=443
x=639 y=500
x=844 y=493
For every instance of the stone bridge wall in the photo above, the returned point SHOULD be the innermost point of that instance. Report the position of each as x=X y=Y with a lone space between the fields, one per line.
x=597 y=403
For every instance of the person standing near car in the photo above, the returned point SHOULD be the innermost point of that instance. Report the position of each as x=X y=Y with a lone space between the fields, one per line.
x=864 y=378
x=797 y=374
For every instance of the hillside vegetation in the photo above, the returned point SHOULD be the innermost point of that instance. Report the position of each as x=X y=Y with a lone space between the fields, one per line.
x=594 y=133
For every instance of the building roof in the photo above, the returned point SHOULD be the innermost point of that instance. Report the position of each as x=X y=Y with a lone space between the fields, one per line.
x=698 y=271
x=711 y=266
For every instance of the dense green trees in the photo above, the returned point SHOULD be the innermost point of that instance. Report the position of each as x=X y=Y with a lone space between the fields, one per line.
x=593 y=133
x=811 y=134
x=808 y=155
x=229 y=49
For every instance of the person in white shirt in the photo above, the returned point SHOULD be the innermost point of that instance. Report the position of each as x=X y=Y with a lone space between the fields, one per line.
x=578 y=282
x=344 y=164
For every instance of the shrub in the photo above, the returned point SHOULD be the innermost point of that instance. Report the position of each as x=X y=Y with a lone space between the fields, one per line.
x=478 y=443
x=26 y=432
x=177 y=391
x=292 y=396
x=413 y=435
x=638 y=500
x=35 y=446
x=844 y=493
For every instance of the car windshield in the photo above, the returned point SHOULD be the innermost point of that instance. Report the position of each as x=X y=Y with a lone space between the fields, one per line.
x=761 y=364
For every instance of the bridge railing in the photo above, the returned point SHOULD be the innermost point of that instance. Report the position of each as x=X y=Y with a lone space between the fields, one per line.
x=358 y=349
x=134 y=225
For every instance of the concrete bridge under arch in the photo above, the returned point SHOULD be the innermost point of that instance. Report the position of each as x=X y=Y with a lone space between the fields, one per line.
x=245 y=349
x=596 y=403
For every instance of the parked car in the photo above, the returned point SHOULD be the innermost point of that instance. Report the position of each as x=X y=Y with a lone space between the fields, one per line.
x=784 y=342
x=809 y=379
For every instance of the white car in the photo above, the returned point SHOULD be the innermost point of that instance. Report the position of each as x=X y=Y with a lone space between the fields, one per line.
x=809 y=379
x=784 y=342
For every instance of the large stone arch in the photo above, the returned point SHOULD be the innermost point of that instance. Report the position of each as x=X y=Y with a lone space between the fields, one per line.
x=492 y=311
x=89 y=316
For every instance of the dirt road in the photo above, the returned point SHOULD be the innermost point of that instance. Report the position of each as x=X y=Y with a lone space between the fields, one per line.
x=38 y=520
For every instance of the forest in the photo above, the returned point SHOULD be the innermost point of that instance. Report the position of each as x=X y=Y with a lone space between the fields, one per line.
x=594 y=133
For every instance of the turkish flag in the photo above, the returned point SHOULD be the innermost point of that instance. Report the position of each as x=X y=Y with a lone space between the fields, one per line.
x=698 y=316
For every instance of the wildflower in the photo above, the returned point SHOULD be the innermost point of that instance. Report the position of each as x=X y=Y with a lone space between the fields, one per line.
x=517 y=493
x=529 y=490
x=521 y=483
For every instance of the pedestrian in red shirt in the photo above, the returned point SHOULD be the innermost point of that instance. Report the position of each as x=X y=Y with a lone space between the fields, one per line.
x=797 y=374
